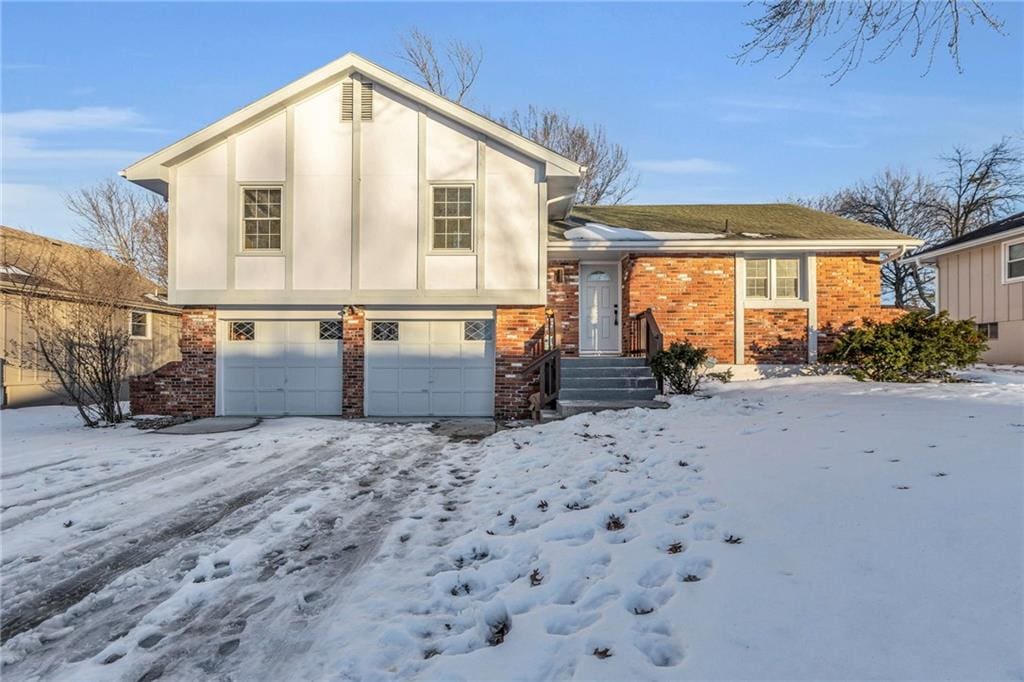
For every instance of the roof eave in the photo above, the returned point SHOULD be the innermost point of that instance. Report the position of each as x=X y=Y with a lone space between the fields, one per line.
x=931 y=255
x=768 y=245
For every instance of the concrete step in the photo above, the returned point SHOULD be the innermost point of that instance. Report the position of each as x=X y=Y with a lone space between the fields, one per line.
x=569 y=372
x=567 y=408
x=646 y=381
x=602 y=361
x=614 y=394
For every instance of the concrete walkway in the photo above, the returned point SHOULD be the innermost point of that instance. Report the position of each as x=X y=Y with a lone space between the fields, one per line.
x=212 y=425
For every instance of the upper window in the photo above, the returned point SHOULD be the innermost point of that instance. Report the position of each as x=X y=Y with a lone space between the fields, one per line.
x=261 y=218
x=1015 y=261
x=140 y=324
x=452 y=211
x=773 y=278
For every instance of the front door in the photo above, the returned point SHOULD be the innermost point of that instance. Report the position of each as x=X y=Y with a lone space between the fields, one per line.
x=599 y=308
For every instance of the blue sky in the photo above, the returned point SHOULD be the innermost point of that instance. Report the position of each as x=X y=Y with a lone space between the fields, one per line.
x=88 y=88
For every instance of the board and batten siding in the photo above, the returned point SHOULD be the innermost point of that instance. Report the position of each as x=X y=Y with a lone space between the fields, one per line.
x=971 y=287
x=356 y=210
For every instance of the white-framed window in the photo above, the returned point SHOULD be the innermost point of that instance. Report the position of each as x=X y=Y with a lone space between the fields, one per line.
x=770 y=279
x=451 y=210
x=330 y=330
x=242 y=331
x=990 y=330
x=1014 y=257
x=261 y=218
x=384 y=331
x=476 y=330
x=138 y=324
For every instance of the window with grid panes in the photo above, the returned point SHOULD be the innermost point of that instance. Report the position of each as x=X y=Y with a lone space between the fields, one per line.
x=452 y=212
x=757 y=278
x=787 y=278
x=261 y=218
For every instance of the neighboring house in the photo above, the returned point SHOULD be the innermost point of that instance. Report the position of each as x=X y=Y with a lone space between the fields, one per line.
x=152 y=323
x=354 y=244
x=981 y=278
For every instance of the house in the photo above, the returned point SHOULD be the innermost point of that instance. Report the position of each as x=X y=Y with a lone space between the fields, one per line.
x=40 y=265
x=354 y=244
x=980 y=277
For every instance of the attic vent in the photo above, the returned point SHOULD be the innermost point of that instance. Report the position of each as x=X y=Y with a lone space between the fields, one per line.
x=346 y=101
x=366 y=103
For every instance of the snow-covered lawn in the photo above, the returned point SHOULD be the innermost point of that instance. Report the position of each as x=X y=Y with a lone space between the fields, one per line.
x=877 y=533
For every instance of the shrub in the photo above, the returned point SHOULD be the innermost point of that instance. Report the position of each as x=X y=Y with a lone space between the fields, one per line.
x=916 y=347
x=685 y=366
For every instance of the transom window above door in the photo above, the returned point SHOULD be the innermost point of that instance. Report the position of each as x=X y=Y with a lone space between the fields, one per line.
x=599 y=276
x=769 y=279
x=452 y=217
x=261 y=218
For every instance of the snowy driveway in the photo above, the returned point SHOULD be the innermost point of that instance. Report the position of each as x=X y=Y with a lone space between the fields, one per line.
x=813 y=528
x=106 y=531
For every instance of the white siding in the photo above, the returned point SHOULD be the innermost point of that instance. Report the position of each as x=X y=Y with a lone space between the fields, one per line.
x=322 y=200
x=201 y=217
x=451 y=151
x=511 y=235
x=451 y=272
x=259 y=272
x=259 y=152
x=389 y=203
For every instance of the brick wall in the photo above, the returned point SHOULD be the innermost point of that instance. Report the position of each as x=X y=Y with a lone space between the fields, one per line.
x=353 y=342
x=187 y=386
x=775 y=335
x=849 y=289
x=693 y=297
x=564 y=299
x=514 y=327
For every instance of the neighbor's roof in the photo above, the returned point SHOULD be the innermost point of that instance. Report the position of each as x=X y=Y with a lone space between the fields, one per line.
x=987 y=233
x=152 y=171
x=32 y=260
x=753 y=222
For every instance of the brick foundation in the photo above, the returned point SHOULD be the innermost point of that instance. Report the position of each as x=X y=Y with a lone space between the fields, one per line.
x=188 y=386
x=775 y=335
x=693 y=297
x=564 y=299
x=514 y=328
x=353 y=368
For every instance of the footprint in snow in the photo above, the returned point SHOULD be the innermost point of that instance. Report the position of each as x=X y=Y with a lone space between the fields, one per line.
x=710 y=504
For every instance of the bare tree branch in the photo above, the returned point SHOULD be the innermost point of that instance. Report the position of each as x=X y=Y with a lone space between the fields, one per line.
x=794 y=26
x=453 y=75
x=979 y=187
x=608 y=179
x=125 y=225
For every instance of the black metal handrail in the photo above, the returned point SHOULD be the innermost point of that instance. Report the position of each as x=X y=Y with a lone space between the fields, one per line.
x=645 y=338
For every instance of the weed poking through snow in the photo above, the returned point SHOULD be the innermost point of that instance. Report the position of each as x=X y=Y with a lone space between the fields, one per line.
x=536 y=578
x=683 y=464
x=498 y=631
x=430 y=653
x=733 y=540
x=614 y=523
x=603 y=652
x=675 y=548
x=543 y=505
x=640 y=611
x=691 y=578
x=512 y=520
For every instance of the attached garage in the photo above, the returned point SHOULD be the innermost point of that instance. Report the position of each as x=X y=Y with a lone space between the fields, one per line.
x=424 y=367
x=279 y=367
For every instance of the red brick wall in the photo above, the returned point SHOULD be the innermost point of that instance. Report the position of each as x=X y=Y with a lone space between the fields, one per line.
x=514 y=328
x=849 y=289
x=775 y=335
x=353 y=348
x=187 y=386
x=564 y=299
x=693 y=297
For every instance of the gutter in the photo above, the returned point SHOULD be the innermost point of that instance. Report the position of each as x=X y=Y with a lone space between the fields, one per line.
x=731 y=245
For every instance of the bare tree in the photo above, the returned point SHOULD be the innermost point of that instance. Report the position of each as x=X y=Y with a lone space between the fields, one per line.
x=451 y=74
x=979 y=187
x=608 y=179
x=124 y=224
x=793 y=26
x=78 y=312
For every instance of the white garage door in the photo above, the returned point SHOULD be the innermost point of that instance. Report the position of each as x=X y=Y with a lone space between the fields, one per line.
x=281 y=367
x=430 y=368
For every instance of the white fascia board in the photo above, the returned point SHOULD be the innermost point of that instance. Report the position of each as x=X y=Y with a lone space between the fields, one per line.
x=932 y=256
x=732 y=246
x=154 y=166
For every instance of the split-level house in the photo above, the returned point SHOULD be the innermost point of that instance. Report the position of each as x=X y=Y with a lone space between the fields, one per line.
x=353 y=244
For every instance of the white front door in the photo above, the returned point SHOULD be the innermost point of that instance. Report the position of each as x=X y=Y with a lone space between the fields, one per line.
x=599 y=308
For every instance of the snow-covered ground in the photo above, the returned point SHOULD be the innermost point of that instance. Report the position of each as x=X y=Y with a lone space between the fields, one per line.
x=876 y=532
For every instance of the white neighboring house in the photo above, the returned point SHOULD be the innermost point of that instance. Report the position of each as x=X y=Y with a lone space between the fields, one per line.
x=981 y=278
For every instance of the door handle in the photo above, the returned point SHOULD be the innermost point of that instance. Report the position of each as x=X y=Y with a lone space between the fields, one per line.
x=615 y=309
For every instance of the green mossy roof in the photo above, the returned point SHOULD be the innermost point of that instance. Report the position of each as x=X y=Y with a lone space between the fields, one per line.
x=775 y=221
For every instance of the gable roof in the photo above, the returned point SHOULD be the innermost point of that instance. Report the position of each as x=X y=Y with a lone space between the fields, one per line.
x=733 y=222
x=24 y=252
x=151 y=172
x=1003 y=227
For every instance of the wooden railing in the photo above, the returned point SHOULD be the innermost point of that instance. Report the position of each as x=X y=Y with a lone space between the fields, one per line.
x=645 y=339
x=547 y=362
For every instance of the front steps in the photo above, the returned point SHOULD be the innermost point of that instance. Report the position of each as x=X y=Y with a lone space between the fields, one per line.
x=594 y=383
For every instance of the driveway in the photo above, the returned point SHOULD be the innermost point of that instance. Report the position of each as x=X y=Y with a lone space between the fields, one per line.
x=182 y=540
